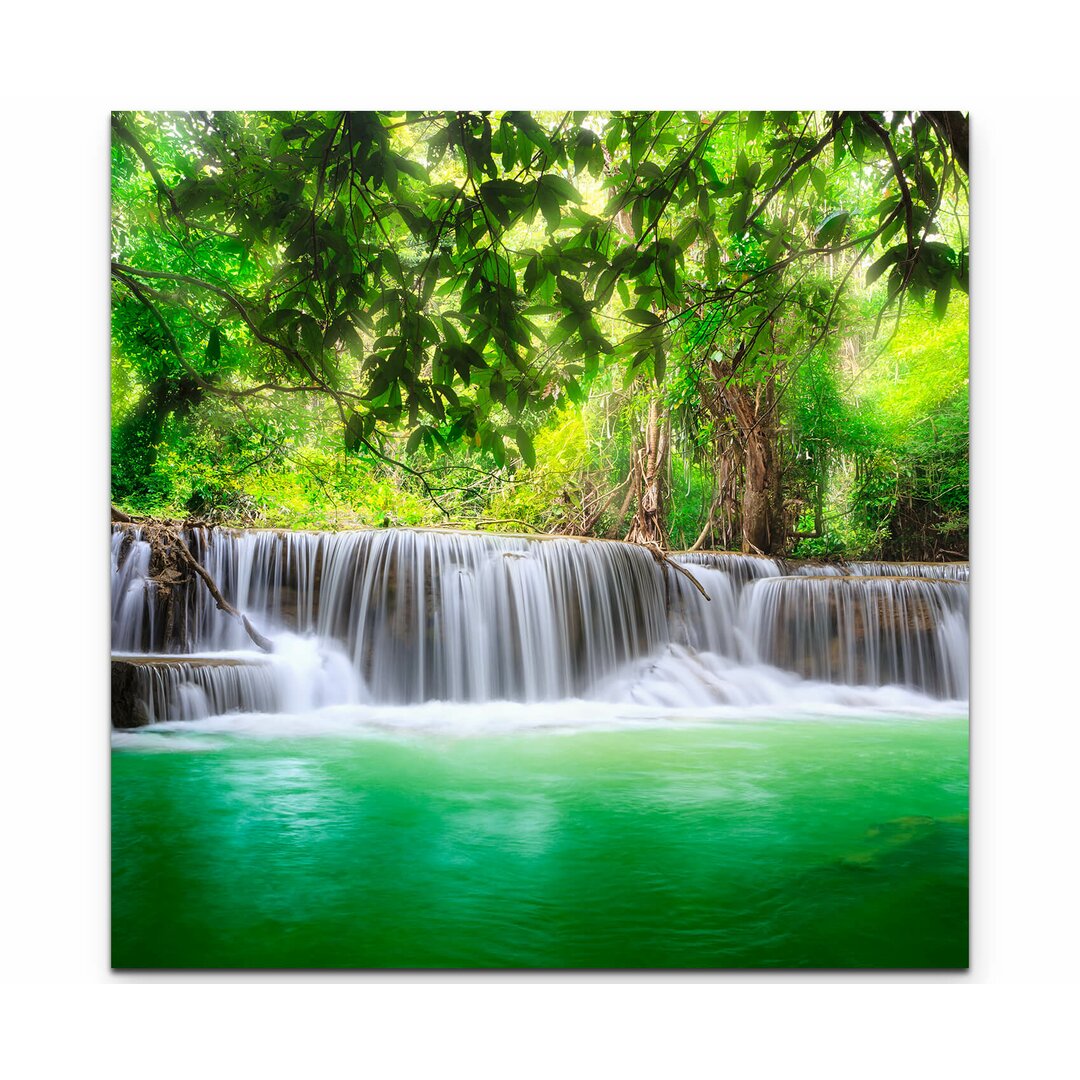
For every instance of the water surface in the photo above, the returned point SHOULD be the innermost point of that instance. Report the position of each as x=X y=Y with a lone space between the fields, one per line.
x=726 y=843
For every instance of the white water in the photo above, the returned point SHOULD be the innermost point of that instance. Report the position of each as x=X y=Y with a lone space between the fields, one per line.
x=302 y=675
x=376 y=621
x=957 y=571
x=856 y=630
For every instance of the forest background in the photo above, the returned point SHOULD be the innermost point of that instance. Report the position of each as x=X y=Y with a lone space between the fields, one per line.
x=702 y=330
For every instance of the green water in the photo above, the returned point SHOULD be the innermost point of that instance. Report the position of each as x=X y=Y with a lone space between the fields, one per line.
x=765 y=844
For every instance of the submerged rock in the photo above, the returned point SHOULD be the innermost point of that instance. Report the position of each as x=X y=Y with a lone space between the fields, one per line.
x=890 y=837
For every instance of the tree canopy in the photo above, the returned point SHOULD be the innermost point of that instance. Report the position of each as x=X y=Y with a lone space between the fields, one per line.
x=425 y=297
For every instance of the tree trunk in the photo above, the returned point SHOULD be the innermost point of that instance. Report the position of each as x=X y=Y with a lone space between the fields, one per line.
x=752 y=409
x=651 y=465
x=758 y=524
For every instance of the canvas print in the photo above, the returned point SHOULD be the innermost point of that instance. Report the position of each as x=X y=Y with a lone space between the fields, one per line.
x=539 y=539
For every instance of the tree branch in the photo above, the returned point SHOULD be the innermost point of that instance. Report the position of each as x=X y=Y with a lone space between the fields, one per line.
x=127 y=137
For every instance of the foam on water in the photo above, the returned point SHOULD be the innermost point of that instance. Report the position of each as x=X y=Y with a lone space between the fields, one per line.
x=677 y=689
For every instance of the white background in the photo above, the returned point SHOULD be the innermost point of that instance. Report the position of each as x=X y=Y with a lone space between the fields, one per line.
x=1014 y=69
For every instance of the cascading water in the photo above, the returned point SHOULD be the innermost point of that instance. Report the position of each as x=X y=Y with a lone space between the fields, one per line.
x=862 y=630
x=740 y=568
x=197 y=688
x=399 y=617
x=957 y=571
x=133 y=594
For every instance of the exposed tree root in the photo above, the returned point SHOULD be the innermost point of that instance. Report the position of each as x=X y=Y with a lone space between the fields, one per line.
x=172 y=564
x=264 y=643
x=658 y=554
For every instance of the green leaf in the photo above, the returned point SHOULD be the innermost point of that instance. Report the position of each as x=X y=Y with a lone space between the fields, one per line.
x=895 y=284
x=659 y=363
x=890 y=230
x=712 y=262
x=525 y=446
x=561 y=186
x=831 y=227
x=754 y=122
x=213 y=348
x=414 y=440
x=354 y=432
x=549 y=206
x=411 y=168
x=941 y=296
x=634 y=368
x=688 y=233
x=881 y=265
x=605 y=286
x=583 y=148
x=525 y=123
x=709 y=173
x=737 y=220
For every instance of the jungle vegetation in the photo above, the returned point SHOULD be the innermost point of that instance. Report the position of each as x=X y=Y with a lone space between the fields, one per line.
x=727 y=330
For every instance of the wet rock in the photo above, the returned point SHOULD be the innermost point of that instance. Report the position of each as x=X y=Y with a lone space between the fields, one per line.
x=132 y=684
x=128 y=696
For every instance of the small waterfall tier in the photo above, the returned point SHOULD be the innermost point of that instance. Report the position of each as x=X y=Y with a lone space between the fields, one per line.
x=746 y=568
x=402 y=616
x=150 y=689
x=863 y=630
x=742 y=569
x=955 y=571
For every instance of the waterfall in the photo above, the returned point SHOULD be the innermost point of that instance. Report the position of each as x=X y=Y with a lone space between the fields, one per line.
x=302 y=674
x=177 y=690
x=746 y=568
x=403 y=616
x=957 y=571
x=741 y=568
x=861 y=630
x=133 y=595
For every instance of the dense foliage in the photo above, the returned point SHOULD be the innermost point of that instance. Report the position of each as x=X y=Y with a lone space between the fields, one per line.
x=736 y=329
